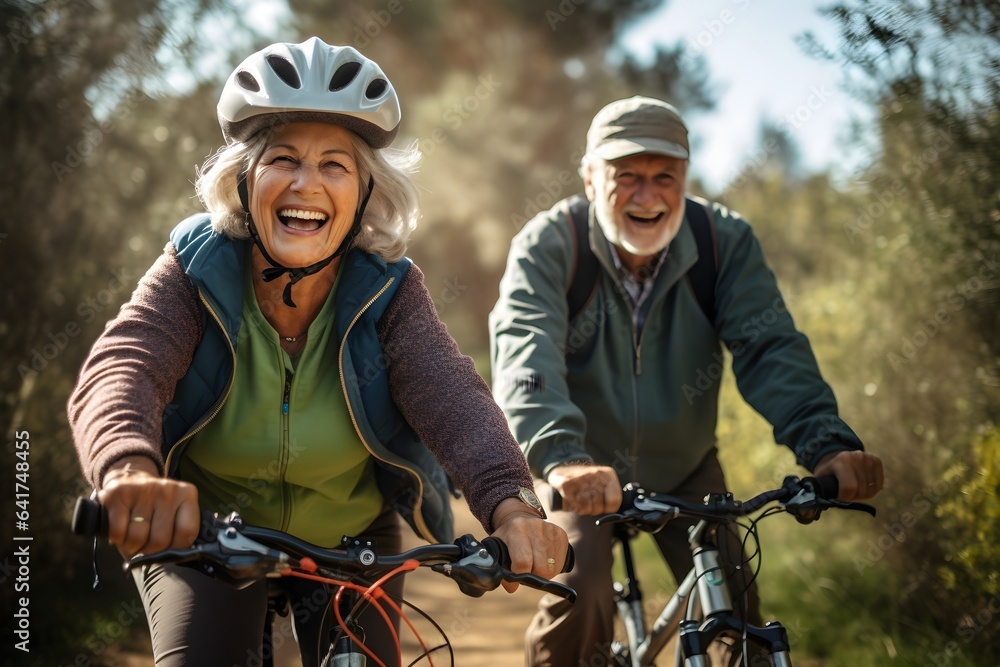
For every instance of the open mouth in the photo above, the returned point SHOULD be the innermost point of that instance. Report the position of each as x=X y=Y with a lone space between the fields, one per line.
x=645 y=218
x=302 y=220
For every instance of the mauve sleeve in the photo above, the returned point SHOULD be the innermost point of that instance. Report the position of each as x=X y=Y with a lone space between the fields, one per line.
x=116 y=409
x=447 y=403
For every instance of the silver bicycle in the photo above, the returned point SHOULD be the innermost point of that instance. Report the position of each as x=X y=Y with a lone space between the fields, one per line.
x=705 y=588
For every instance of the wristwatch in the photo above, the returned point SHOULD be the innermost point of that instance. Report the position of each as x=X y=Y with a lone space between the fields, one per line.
x=528 y=497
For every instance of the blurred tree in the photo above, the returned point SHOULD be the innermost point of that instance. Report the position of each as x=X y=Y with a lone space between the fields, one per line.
x=100 y=146
x=933 y=72
x=926 y=228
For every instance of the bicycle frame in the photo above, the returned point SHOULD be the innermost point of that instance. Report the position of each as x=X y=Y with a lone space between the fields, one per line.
x=342 y=650
x=805 y=499
x=707 y=582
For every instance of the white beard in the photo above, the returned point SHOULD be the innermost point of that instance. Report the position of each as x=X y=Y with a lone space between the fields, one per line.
x=647 y=246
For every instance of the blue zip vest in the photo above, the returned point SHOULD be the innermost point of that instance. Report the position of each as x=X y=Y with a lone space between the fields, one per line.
x=409 y=477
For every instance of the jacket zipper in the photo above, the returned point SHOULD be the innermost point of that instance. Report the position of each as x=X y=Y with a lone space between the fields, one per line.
x=283 y=449
x=636 y=342
x=636 y=339
x=637 y=371
x=417 y=516
x=225 y=396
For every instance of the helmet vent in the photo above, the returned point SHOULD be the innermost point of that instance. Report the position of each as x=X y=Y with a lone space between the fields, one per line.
x=285 y=70
x=247 y=81
x=343 y=76
x=375 y=88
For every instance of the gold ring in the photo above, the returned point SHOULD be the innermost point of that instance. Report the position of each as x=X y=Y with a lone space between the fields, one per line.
x=551 y=561
x=138 y=519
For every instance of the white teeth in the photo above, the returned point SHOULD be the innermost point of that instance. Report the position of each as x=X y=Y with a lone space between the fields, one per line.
x=299 y=213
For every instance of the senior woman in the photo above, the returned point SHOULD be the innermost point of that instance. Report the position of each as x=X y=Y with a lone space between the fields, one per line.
x=282 y=358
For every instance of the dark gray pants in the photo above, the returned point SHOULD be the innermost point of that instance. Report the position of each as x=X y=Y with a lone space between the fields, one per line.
x=574 y=635
x=197 y=620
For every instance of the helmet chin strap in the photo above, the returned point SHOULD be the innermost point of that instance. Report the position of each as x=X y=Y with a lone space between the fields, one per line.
x=297 y=274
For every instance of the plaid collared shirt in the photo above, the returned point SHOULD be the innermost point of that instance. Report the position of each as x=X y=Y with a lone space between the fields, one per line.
x=638 y=289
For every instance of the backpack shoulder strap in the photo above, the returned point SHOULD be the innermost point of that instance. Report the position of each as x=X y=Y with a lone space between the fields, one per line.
x=583 y=281
x=703 y=275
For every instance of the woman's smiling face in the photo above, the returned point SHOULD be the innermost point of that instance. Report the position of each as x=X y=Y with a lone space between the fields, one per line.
x=304 y=192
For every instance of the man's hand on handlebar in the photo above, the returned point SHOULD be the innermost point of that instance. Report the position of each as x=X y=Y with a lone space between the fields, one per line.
x=147 y=513
x=587 y=489
x=858 y=474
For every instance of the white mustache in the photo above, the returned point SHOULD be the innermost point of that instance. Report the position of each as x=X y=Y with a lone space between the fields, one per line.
x=649 y=212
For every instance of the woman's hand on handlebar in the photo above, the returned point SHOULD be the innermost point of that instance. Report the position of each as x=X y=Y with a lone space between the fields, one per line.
x=859 y=474
x=535 y=545
x=147 y=513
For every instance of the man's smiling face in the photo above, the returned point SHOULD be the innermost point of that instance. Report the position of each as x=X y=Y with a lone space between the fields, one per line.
x=639 y=202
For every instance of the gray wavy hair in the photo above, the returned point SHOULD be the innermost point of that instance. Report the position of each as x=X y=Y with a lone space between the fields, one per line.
x=391 y=215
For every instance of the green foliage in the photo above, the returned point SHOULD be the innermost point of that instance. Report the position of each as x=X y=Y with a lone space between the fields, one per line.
x=99 y=155
x=971 y=518
x=901 y=309
x=892 y=278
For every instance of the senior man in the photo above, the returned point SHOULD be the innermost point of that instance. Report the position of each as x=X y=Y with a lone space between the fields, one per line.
x=606 y=347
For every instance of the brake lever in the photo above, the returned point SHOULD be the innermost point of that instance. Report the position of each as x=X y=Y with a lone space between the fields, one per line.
x=479 y=572
x=231 y=540
x=859 y=507
x=617 y=517
x=476 y=573
x=167 y=556
x=806 y=506
x=230 y=557
x=540 y=583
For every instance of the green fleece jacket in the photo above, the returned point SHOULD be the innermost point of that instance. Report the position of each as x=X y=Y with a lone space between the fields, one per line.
x=647 y=403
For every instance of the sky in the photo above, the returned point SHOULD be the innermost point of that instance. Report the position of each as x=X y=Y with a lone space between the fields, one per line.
x=759 y=72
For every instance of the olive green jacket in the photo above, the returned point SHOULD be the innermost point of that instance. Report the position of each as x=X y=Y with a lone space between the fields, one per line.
x=647 y=404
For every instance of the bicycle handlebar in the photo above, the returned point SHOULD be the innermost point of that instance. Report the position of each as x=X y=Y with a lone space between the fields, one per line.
x=805 y=499
x=240 y=554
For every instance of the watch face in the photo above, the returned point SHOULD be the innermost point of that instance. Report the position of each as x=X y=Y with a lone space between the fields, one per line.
x=529 y=498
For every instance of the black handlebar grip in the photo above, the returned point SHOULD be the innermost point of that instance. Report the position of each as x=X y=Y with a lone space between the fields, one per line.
x=90 y=518
x=498 y=551
x=570 y=559
x=556 y=502
x=826 y=487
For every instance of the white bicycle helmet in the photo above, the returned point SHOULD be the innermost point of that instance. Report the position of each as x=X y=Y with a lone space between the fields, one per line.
x=311 y=81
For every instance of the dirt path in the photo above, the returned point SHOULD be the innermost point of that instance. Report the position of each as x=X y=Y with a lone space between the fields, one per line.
x=483 y=631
